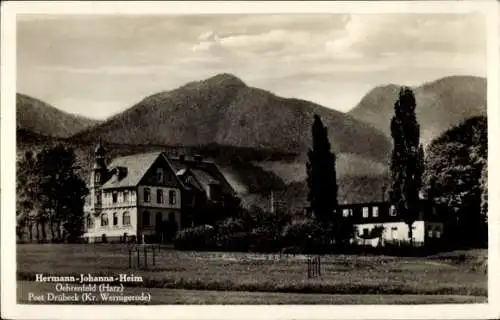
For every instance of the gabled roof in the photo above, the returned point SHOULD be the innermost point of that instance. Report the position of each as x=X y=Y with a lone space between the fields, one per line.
x=206 y=172
x=136 y=165
x=204 y=177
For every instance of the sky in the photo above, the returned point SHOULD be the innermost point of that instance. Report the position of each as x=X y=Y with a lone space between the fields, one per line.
x=100 y=65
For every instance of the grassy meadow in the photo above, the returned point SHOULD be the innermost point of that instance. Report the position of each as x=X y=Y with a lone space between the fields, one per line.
x=448 y=274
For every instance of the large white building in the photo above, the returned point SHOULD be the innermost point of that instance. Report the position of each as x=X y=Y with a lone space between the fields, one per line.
x=148 y=197
x=368 y=216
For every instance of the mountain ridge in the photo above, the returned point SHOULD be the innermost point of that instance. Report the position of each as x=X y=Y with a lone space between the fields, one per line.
x=224 y=110
x=441 y=104
x=39 y=117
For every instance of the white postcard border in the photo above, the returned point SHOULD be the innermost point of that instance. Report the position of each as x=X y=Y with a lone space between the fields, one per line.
x=12 y=310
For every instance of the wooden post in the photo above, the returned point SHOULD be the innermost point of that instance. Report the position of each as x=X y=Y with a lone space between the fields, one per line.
x=154 y=256
x=319 y=266
x=138 y=258
x=308 y=268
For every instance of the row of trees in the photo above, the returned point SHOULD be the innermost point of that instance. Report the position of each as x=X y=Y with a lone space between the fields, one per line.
x=407 y=165
x=453 y=176
x=50 y=196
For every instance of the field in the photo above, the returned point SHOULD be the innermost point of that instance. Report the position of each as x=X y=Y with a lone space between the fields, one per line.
x=184 y=277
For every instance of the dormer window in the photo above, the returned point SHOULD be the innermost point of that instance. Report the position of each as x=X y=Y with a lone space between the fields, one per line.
x=159 y=175
x=215 y=192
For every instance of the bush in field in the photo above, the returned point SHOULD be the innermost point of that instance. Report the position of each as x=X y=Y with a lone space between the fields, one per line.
x=265 y=239
x=231 y=235
x=197 y=238
x=301 y=233
x=230 y=225
x=238 y=241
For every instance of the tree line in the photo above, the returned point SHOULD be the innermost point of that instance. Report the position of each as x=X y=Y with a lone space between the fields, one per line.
x=50 y=196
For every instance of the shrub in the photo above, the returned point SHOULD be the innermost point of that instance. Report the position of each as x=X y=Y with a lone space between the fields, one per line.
x=239 y=241
x=231 y=235
x=197 y=238
x=265 y=239
x=230 y=225
x=301 y=233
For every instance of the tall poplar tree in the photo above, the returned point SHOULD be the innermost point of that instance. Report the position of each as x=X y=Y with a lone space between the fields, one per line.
x=321 y=176
x=407 y=159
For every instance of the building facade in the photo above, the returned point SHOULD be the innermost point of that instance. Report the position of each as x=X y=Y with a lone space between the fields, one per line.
x=148 y=197
x=378 y=224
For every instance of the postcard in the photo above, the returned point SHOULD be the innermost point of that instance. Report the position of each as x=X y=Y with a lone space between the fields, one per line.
x=305 y=160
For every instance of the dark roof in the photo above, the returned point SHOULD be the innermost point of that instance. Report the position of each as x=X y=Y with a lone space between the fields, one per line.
x=206 y=172
x=136 y=165
x=204 y=177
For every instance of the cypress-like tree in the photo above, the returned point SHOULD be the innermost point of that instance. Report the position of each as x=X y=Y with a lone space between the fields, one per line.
x=321 y=176
x=407 y=159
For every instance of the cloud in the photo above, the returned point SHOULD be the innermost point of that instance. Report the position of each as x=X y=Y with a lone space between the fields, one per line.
x=322 y=57
x=384 y=34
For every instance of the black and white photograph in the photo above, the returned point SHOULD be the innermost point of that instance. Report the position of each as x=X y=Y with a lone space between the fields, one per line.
x=238 y=157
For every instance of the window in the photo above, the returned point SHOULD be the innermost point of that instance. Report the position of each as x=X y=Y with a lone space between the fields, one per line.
x=429 y=233
x=115 y=219
x=159 y=219
x=126 y=219
x=159 y=175
x=394 y=228
x=172 y=195
x=104 y=220
x=392 y=211
x=375 y=212
x=90 y=222
x=146 y=218
x=159 y=196
x=365 y=212
x=147 y=195
x=115 y=197
x=345 y=212
x=215 y=192
x=125 y=196
x=98 y=199
x=365 y=231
